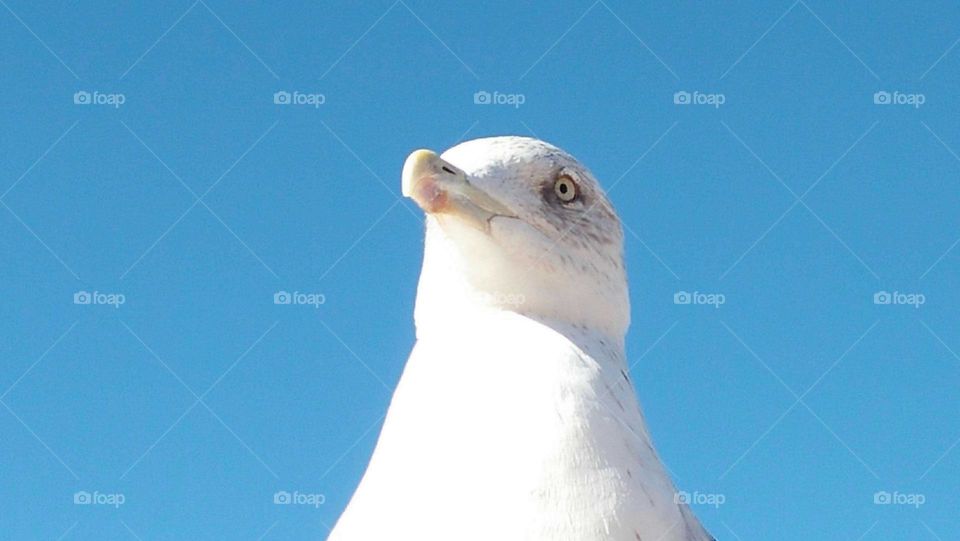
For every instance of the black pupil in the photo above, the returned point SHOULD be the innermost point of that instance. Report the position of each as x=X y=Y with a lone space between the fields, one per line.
x=563 y=187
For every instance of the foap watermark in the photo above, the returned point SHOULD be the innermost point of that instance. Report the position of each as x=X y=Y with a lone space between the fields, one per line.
x=83 y=97
x=297 y=297
x=98 y=297
x=899 y=498
x=115 y=499
x=282 y=97
x=482 y=97
x=682 y=97
x=699 y=298
x=500 y=298
x=699 y=498
x=883 y=97
x=898 y=298
x=296 y=497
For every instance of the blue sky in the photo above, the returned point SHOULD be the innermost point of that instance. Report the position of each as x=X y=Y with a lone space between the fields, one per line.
x=787 y=188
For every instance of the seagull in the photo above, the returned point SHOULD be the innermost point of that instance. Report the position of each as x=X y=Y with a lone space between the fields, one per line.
x=515 y=417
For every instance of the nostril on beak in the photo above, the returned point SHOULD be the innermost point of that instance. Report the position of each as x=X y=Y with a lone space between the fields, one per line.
x=448 y=170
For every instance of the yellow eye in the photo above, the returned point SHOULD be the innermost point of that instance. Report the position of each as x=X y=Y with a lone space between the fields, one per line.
x=565 y=188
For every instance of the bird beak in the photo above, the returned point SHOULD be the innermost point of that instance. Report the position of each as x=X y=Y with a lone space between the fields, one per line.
x=439 y=187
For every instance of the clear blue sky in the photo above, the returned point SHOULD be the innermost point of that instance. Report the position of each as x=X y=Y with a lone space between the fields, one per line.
x=797 y=199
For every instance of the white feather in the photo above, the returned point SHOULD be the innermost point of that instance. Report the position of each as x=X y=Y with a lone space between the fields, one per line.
x=514 y=418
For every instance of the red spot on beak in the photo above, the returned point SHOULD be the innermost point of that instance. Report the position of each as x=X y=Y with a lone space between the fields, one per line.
x=430 y=196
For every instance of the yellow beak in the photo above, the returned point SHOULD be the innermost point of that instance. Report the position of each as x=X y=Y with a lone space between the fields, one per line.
x=440 y=187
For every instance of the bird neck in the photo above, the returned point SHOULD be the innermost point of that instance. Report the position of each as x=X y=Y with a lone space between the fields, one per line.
x=449 y=306
x=459 y=287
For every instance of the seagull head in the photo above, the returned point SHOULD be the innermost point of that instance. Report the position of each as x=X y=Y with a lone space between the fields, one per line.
x=514 y=223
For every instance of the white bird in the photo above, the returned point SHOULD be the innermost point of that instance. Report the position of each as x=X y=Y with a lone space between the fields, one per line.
x=515 y=418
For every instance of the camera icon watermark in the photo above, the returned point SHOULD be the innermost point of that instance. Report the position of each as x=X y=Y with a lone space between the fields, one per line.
x=682 y=97
x=884 y=97
x=897 y=298
x=699 y=498
x=914 y=500
x=297 y=297
x=314 y=499
x=483 y=97
x=114 y=499
x=96 y=297
x=283 y=97
x=83 y=97
x=698 y=298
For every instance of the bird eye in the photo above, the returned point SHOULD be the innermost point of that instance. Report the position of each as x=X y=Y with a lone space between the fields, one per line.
x=565 y=188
